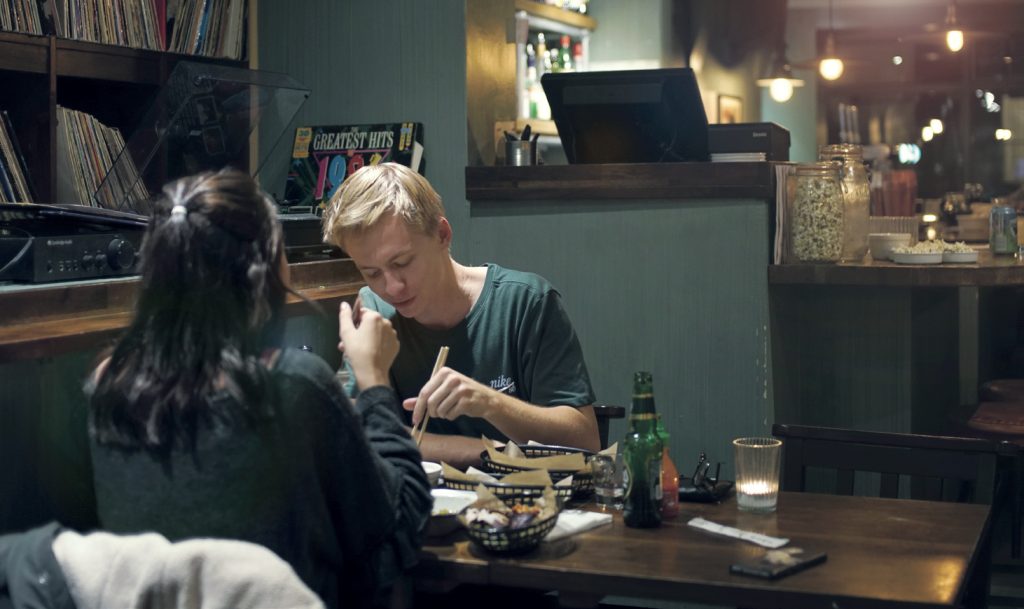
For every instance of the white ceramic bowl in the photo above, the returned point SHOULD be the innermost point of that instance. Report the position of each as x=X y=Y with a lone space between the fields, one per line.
x=447 y=505
x=881 y=244
x=433 y=471
x=918 y=258
x=960 y=257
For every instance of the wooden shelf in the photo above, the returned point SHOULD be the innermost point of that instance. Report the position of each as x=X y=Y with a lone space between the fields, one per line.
x=990 y=271
x=557 y=14
x=622 y=181
x=30 y=53
x=44 y=321
x=24 y=52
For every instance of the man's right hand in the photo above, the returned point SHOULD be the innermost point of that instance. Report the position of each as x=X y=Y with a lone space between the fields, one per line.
x=370 y=347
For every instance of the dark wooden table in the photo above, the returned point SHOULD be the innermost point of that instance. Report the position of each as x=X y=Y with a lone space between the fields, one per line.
x=881 y=553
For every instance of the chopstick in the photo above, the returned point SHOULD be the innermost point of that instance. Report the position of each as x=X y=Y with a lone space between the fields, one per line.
x=442 y=356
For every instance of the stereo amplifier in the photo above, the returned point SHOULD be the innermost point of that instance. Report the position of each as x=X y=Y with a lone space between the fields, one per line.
x=58 y=244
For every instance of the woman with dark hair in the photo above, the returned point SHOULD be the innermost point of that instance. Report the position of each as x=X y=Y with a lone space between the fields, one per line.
x=203 y=427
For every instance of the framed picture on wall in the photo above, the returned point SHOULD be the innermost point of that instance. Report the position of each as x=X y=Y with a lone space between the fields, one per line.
x=730 y=109
x=710 y=99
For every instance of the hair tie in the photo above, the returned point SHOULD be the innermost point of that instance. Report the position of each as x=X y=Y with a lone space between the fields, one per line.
x=178 y=212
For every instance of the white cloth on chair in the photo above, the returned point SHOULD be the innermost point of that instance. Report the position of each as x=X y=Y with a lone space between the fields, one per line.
x=147 y=571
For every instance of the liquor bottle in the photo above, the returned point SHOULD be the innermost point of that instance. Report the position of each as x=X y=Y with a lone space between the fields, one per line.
x=577 y=56
x=642 y=453
x=543 y=63
x=669 y=478
x=565 y=54
x=528 y=109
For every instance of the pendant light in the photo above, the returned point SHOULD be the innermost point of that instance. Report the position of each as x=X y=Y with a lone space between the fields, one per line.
x=830 y=67
x=779 y=79
x=954 y=34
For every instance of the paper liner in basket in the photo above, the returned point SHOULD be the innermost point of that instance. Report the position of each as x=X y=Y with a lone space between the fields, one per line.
x=572 y=462
x=488 y=501
x=533 y=477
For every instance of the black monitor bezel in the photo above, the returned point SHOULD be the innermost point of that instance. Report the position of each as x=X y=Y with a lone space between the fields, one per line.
x=679 y=86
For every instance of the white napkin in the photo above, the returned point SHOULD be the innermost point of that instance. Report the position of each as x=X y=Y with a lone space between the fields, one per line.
x=766 y=541
x=571 y=522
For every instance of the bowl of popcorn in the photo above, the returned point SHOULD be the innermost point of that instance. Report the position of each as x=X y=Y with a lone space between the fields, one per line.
x=923 y=252
x=959 y=253
x=882 y=244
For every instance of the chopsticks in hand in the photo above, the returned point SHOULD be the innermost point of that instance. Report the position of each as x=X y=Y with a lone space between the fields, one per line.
x=442 y=356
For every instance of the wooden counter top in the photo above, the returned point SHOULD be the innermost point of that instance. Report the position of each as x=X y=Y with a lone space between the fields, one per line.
x=622 y=181
x=990 y=271
x=48 y=320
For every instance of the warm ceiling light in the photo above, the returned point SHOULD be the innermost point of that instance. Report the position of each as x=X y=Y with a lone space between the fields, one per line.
x=830 y=67
x=927 y=134
x=936 y=126
x=955 y=40
x=954 y=35
x=1004 y=135
x=781 y=90
x=897 y=60
x=780 y=80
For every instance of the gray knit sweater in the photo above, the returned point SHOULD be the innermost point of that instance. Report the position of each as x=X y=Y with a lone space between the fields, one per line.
x=336 y=491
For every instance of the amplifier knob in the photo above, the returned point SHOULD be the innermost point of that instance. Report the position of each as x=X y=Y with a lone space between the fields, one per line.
x=120 y=254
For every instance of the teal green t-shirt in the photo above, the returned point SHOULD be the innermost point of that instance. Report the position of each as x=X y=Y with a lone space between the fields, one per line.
x=516 y=338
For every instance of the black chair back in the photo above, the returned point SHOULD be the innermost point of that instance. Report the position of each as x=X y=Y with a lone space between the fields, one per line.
x=941 y=468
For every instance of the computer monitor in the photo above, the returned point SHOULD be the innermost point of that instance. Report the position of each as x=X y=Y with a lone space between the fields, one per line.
x=633 y=116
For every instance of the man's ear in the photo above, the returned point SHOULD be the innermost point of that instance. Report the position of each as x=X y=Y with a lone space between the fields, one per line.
x=444 y=231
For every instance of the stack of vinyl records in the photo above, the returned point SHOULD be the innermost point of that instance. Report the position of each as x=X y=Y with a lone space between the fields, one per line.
x=20 y=16
x=128 y=23
x=15 y=181
x=87 y=150
x=213 y=28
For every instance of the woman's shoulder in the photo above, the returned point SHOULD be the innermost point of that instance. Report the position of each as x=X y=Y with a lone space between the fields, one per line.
x=302 y=365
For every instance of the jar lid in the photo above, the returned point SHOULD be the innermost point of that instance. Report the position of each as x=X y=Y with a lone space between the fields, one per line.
x=819 y=168
x=846 y=151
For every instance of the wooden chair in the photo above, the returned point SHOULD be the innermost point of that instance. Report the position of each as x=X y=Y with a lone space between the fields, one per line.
x=963 y=469
x=938 y=468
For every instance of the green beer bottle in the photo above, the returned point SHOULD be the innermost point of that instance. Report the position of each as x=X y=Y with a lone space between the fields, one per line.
x=642 y=451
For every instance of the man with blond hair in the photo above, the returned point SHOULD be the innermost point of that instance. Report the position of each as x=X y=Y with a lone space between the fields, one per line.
x=515 y=368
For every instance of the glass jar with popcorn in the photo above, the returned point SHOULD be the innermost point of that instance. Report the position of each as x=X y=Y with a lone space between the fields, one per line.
x=856 y=197
x=815 y=212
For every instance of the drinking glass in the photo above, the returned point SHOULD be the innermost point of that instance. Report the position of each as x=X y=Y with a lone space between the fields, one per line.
x=1020 y=237
x=609 y=486
x=757 y=473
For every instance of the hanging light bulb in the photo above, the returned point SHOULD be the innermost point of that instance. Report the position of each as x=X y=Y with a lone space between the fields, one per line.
x=780 y=80
x=954 y=35
x=781 y=90
x=927 y=134
x=830 y=67
x=936 y=126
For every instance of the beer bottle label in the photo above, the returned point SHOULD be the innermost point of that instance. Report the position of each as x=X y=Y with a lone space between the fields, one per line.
x=654 y=471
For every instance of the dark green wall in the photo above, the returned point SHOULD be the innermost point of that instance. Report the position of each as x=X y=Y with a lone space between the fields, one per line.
x=676 y=287
x=376 y=61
